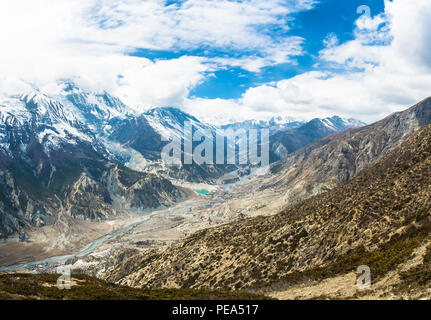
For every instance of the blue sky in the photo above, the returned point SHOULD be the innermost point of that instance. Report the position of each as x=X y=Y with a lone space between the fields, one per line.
x=326 y=17
x=225 y=60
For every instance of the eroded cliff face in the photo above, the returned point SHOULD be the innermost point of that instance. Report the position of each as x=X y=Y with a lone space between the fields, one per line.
x=85 y=189
x=19 y=210
x=77 y=181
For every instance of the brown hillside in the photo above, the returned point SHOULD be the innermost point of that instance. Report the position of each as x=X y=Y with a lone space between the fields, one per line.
x=378 y=218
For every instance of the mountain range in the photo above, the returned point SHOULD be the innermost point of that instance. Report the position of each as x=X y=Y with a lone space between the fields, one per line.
x=90 y=155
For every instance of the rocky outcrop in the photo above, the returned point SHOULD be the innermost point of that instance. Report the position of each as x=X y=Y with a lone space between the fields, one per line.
x=84 y=188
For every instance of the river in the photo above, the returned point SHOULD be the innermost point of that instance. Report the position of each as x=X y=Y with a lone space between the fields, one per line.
x=89 y=248
x=99 y=241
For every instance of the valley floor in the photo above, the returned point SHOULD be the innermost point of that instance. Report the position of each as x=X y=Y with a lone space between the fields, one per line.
x=52 y=245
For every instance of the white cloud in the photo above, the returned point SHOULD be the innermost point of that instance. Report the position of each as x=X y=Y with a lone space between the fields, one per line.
x=331 y=40
x=88 y=41
x=270 y=55
x=386 y=68
x=163 y=83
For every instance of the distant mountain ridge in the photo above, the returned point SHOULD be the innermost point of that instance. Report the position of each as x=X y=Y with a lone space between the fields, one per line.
x=81 y=151
x=288 y=140
x=275 y=124
x=337 y=158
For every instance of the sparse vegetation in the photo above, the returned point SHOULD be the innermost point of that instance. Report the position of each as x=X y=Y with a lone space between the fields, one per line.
x=43 y=287
x=418 y=276
x=380 y=261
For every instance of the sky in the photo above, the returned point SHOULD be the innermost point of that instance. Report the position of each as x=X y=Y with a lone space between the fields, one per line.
x=225 y=60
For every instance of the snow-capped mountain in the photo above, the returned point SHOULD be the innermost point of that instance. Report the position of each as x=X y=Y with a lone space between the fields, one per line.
x=139 y=141
x=73 y=114
x=96 y=109
x=274 y=124
x=281 y=123
x=288 y=135
x=53 y=158
x=169 y=122
x=289 y=140
x=35 y=115
x=337 y=123
x=109 y=127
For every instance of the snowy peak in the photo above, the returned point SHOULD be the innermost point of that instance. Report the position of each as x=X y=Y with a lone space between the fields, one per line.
x=170 y=117
x=37 y=116
x=71 y=117
x=36 y=98
x=275 y=123
x=94 y=107
x=170 y=112
x=286 y=122
x=48 y=110
x=169 y=122
x=337 y=123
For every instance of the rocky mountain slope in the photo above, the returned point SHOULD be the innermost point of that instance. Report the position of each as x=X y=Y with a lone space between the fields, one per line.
x=336 y=159
x=285 y=141
x=52 y=160
x=143 y=137
x=323 y=165
x=381 y=218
